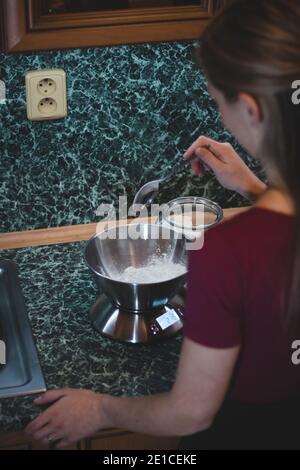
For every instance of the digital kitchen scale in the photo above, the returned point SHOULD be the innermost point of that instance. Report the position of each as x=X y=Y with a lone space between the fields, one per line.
x=137 y=327
x=136 y=310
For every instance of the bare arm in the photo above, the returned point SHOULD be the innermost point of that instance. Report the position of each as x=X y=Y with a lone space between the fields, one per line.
x=202 y=381
x=229 y=169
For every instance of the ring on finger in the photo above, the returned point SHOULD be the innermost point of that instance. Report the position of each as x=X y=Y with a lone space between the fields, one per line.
x=51 y=438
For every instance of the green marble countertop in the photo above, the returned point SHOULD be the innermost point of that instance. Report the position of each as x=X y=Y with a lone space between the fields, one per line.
x=59 y=290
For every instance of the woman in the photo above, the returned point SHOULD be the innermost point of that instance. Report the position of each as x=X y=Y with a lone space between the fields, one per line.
x=236 y=384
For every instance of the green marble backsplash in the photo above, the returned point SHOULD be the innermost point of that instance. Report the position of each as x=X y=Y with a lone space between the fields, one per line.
x=133 y=111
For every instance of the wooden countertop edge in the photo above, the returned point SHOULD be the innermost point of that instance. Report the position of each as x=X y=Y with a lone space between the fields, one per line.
x=69 y=234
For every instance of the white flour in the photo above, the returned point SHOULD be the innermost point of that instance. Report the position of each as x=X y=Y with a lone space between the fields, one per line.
x=157 y=272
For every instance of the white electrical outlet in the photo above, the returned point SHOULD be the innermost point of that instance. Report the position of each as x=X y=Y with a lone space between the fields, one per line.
x=46 y=92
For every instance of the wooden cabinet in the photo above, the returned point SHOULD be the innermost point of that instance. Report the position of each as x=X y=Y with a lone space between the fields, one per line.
x=123 y=440
x=28 y=25
x=105 y=440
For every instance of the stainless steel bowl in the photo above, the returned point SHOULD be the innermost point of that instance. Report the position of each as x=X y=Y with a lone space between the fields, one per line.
x=109 y=253
x=133 y=312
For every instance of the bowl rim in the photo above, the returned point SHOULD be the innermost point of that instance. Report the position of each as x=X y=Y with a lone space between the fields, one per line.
x=158 y=226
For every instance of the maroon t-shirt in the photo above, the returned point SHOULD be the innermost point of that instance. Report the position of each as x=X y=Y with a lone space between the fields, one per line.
x=236 y=284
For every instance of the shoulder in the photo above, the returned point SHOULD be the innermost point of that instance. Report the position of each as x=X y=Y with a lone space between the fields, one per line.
x=254 y=229
x=251 y=225
x=241 y=222
x=224 y=239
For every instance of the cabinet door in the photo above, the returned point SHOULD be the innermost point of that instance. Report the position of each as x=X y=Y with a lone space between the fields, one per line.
x=30 y=25
x=18 y=441
x=130 y=441
x=14 y=441
x=105 y=440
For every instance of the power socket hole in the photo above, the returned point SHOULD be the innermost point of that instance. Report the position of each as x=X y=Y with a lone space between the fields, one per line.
x=47 y=106
x=46 y=86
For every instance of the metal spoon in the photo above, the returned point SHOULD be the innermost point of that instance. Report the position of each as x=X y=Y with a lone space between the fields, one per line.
x=147 y=193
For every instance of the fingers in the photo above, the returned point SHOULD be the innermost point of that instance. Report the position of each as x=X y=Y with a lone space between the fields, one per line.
x=37 y=423
x=45 y=417
x=62 y=444
x=197 y=167
x=201 y=142
x=204 y=161
x=208 y=160
x=47 y=435
x=50 y=396
x=43 y=434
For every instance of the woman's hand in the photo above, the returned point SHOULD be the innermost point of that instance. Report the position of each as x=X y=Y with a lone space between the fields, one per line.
x=202 y=380
x=73 y=415
x=228 y=167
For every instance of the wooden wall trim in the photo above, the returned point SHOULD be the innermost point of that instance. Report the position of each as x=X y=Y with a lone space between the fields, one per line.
x=73 y=233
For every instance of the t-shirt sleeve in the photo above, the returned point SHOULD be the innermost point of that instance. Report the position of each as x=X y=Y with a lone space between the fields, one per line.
x=214 y=299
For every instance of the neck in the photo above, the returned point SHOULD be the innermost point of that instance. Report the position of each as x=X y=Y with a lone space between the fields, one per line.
x=277 y=199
